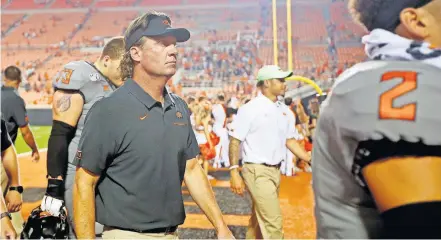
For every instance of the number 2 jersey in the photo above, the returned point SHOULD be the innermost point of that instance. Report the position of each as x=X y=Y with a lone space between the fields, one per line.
x=384 y=101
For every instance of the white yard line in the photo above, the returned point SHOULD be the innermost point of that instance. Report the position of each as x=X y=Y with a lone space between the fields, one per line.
x=26 y=154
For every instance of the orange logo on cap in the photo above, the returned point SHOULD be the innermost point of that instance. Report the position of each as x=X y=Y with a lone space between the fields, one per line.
x=166 y=22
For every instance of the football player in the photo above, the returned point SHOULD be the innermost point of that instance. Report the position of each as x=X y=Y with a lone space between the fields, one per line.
x=377 y=148
x=77 y=87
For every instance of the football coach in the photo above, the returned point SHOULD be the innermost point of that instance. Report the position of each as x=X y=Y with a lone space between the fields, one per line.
x=138 y=146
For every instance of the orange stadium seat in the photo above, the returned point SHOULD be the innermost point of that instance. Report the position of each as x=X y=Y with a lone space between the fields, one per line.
x=22 y=58
x=8 y=19
x=57 y=27
x=71 y=3
x=56 y=63
x=115 y=24
x=346 y=29
x=114 y=3
x=25 y=4
x=348 y=55
x=160 y=2
x=206 y=2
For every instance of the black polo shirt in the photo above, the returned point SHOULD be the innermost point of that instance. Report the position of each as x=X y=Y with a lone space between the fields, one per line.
x=13 y=111
x=5 y=139
x=140 y=150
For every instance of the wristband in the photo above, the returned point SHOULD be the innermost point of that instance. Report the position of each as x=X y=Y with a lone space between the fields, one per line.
x=6 y=214
x=234 y=167
x=55 y=188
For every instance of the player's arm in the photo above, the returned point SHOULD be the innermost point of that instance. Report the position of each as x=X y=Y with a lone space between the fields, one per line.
x=404 y=179
x=66 y=110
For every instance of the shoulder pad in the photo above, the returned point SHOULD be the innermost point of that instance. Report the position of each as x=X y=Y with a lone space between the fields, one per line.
x=75 y=75
x=388 y=99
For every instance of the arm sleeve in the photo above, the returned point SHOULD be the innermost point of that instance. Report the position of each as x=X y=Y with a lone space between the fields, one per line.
x=241 y=124
x=20 y=114
x=97 y=145
x=6 y=140
x=58 y=148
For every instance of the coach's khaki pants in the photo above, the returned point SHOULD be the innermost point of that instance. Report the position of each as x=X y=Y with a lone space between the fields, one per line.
x=17 y=219
x=113 y=233
x=263 y=185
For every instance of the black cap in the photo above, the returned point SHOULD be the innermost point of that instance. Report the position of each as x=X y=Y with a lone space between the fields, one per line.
x=157 y=26
x=388 y=16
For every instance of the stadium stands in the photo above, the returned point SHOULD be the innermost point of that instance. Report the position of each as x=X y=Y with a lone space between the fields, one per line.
x=114 y=3
x=71 y=3
x=324 y=40
x=160 y=2
x=115 y=25
x=42 y=28
x=24 y=4
x=8 y=20
x=345 y=29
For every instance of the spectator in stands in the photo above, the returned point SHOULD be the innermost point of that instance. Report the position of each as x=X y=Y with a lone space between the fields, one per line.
x=14 y=110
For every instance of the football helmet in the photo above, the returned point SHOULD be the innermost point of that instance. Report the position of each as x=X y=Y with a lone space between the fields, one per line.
x=41 y=225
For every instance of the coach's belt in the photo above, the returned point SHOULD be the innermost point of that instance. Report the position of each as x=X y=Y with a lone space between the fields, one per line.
x=273 y=166
x=166 y=230
x=268 y=165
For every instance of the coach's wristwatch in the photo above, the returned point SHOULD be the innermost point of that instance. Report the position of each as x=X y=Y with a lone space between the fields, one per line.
x=19 y=189
x=6 y=214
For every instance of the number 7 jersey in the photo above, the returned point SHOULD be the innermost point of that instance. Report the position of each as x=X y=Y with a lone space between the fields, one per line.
x=376 y=100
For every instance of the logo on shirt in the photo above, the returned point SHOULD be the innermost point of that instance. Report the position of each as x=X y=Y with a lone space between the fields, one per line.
x=94 y=77
x=178 y=114
x=79 y=155
x=106 y=88
x=143 y=117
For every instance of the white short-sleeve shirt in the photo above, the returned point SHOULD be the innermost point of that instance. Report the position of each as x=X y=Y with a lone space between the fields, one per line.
x=263 y=128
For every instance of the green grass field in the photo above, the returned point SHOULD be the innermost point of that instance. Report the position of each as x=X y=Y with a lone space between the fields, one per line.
x=41 y=135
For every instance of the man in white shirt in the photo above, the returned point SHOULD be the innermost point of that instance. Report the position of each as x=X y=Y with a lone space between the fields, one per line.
x=264 y=130
x=220 y=129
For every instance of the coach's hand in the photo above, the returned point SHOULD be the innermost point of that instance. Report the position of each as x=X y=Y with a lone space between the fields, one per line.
x=52 y=205
x=236 y=182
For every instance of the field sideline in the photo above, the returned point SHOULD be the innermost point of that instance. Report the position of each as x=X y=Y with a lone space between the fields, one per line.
x=296 y=197
x=41 y=135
